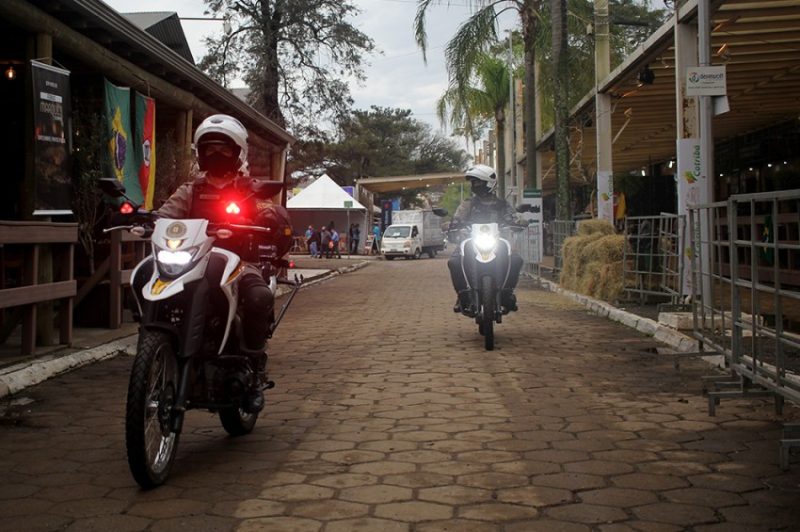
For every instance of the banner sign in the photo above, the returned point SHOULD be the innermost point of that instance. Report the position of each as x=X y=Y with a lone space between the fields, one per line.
x=121 y=157
x=691 y=191
x=706 y=81
x=533 y=197
x=51 y=146
x=146 y=147
x=605 y=196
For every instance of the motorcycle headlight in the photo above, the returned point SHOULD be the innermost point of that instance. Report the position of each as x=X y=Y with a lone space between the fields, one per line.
x=485 y=242
x=174 y=263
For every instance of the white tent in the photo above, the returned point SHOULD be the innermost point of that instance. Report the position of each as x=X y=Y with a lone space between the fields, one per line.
x=324 y=202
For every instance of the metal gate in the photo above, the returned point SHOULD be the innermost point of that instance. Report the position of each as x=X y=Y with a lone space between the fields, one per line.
x=651 y=265
x=562 y=229
x=746 y=294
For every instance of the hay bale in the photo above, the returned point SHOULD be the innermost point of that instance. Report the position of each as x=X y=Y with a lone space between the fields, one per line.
x=589 y=227
x=592 y=261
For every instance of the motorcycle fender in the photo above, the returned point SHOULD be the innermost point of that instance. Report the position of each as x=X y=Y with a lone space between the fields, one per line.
x=230 y=287
x=138 y=297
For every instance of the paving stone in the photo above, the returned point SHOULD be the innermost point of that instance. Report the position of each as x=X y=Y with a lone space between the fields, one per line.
x=345 y=480
x=619 y=497
x=413 y=511
x=457 y=525
x=724 y=482
x=497 y=512
x=650 y=482
x=569 y=481
x=366 y=524
x=455 y=495
x=492 y=480
x=674 y=513
x=296 y=492
x=536 y=496
x=376 y=494
x=248 y=508
x=330 y=509
x=279 y=524
x=546 y=525
x=599 y=467
x=117 y=523
x=382 y=468
x=418 y=479
x=586 y=513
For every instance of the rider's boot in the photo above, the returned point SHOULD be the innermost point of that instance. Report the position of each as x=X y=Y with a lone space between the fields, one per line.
x=253 y=401
x=508 y=300
x=464 y=303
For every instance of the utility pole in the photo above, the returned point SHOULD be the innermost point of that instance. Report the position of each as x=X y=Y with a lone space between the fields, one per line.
x=602 y=67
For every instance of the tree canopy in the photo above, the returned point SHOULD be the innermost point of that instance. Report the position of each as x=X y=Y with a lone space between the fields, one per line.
x=378 y=142
x=294 y=55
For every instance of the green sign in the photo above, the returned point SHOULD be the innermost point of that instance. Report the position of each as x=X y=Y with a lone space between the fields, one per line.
x=532 y=193
x=348 y=204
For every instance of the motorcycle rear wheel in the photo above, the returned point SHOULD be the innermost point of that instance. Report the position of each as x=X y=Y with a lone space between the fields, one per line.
x=488 y=298
x=150 y=441
x=236 y=421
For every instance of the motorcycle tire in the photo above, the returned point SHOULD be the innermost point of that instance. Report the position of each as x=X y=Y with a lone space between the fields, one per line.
x=150 y=442
x=236 y=421
x=488 y=298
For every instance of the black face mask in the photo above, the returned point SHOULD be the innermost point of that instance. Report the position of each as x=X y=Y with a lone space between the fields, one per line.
x=479 y=188
x=218 y=164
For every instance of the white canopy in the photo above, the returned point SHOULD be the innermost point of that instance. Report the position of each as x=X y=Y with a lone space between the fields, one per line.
x=323 y=194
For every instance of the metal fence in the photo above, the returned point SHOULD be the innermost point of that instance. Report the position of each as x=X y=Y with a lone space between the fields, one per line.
x=561 y=230
x=746 y=287
x=652 y=265
x=527 y=244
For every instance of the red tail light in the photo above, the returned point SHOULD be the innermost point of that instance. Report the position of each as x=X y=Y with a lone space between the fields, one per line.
x=232 y=208
x=126 y=208
x=291 y=264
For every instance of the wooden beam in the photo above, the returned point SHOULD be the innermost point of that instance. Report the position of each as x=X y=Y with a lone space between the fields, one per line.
x=37 y=293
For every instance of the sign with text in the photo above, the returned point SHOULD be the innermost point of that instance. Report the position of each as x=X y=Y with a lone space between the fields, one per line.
x=691 y=191
x=706 y=81
x=605 y=196
x=51 y=115
x=535 y=217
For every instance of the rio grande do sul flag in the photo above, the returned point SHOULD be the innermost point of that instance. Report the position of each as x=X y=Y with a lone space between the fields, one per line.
x=146 y=146
x=120 y=141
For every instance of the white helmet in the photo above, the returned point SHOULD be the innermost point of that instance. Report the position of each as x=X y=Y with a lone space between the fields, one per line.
x=484 y=173
x=228 y=126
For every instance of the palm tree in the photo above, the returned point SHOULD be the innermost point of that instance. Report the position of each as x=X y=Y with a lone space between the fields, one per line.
x=485 y=96
x=558 y=13
x=475 y=37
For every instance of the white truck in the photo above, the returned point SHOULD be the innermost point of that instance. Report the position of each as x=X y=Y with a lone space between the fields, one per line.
x=413 y=233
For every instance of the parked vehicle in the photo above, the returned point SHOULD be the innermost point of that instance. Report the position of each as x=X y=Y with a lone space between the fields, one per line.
x=189 y=354
x=485 y=261
x=412 y=233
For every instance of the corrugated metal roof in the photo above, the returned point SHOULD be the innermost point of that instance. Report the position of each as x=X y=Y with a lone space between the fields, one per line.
x=166 y=27
x=759 y=44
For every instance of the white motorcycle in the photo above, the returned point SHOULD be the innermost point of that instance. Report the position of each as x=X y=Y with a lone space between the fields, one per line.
x=485 y=260
x=189 y=354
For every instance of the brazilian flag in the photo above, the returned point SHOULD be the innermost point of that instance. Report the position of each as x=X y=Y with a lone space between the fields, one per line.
x=767 y=236
x=121 y=159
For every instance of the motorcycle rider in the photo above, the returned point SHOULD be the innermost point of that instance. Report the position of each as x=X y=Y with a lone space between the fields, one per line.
x=221 y=151
x=483 y=207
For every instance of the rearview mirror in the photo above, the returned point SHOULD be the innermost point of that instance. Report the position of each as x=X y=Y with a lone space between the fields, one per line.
x=267 y=189
x=525 y=207
x=440 y=212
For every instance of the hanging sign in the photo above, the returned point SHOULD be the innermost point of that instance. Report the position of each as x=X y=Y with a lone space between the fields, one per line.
x=691 y=191
x=51 y=115
x=605 y=196
x=706 y=81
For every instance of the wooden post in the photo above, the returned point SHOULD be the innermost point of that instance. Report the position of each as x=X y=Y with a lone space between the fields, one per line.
x=65 y=312
x=115 y=288
x=29 y=312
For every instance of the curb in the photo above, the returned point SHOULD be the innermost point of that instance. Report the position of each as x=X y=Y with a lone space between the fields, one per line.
x=20 y=376
x=666 y=335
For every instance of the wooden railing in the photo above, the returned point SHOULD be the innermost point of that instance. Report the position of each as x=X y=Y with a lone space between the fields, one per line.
x=126 y=251
x=30 y=240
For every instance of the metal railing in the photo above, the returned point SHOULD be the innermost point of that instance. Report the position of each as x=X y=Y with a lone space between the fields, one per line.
x=746 y=293
x=527 y=244
x=562 y=229
x=652 y=265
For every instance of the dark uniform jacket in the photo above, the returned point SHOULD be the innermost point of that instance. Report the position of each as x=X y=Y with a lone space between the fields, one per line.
x=486 y=210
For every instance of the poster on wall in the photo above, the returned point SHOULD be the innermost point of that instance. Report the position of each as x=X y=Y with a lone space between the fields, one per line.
x=51 y=149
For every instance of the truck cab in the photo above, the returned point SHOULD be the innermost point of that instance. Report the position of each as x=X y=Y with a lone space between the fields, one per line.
x=401 y=240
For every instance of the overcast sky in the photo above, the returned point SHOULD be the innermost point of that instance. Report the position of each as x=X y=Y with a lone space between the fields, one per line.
x=396 y=77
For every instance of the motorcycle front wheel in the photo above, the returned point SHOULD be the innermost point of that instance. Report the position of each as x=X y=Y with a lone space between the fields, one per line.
x=488 y=298
x=153 y=386
x=236 y=421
